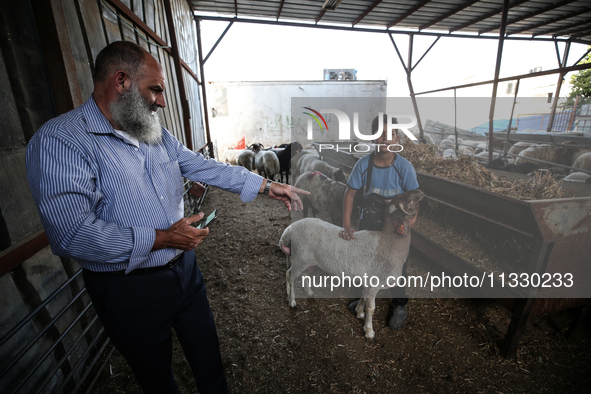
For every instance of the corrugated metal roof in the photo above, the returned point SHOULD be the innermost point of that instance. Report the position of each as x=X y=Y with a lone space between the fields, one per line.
x=566 y=19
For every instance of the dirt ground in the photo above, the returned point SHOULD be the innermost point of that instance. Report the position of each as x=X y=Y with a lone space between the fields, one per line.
x=447 y=346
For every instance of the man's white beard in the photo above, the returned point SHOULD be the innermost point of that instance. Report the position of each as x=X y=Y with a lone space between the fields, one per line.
x=135 y=116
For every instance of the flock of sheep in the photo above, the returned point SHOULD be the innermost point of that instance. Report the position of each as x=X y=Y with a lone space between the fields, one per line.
x=524 y=157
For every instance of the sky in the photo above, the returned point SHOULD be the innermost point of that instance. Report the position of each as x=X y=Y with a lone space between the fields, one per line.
x=251 y=52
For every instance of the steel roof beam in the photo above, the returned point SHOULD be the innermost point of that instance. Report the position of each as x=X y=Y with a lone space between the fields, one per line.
x=486 y=16
x=447 y=15
x=584 y=30
x=320 y=16
x=582 y=57
x=370 y=30
x=548 y=22
x=491 y=116
x=408 y=13
x=562 y=30
x=577 y=67
x=531 y=14
x=367 y=11
x=218 y=41
x=425 y=54
x=280 y=9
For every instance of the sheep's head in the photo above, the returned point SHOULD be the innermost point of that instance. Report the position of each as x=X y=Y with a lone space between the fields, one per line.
x=256 y=147
x=339 y=176
x=295 y=147
x=405 y=205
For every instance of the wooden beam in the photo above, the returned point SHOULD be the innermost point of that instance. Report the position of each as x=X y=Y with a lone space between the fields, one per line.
x=13 y=256
x=57 y=52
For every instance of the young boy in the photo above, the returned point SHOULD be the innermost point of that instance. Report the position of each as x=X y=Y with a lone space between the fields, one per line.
x=391 y=174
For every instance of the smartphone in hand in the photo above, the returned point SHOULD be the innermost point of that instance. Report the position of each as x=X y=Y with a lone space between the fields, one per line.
x=205 y=223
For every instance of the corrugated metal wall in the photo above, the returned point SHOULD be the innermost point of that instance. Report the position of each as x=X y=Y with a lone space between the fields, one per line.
x=50 y=338
x=92 y=24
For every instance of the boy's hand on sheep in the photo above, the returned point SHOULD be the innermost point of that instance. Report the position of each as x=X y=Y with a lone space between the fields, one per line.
x=347 y=233
x=288 y=194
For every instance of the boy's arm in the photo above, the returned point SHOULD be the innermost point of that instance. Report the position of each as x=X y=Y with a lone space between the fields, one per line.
x=348 y=231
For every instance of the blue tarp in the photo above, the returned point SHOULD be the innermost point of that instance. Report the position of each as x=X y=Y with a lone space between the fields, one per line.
x=532 y=122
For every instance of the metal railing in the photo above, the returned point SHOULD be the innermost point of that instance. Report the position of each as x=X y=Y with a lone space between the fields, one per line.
x=70 y=356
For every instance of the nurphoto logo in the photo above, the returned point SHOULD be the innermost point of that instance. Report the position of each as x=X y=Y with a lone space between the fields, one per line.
x=345 y=129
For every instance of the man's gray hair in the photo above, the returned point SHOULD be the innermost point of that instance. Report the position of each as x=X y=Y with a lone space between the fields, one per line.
x=119 y=55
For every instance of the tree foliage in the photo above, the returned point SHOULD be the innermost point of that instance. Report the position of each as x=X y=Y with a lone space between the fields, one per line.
x=581 y=82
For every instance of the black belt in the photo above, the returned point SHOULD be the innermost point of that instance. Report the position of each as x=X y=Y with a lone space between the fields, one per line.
x=144 y=271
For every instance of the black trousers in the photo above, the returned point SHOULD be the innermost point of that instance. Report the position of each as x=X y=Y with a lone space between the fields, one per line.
x=138 y=313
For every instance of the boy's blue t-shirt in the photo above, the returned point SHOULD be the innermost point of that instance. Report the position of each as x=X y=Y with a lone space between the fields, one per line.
x=384 y=180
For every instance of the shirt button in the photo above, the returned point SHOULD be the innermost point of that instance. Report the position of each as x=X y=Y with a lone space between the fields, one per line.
x=136 y=149
x=162 y=198
x=171 y=222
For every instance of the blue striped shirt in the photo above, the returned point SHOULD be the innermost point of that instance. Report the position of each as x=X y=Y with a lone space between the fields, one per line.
x=101 y=198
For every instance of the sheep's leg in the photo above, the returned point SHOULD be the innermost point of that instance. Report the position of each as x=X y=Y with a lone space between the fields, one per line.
x=289 y=279
x=360 y=309
x=370 y=303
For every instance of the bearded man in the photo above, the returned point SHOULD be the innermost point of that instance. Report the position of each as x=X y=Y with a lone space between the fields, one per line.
x=107 y=180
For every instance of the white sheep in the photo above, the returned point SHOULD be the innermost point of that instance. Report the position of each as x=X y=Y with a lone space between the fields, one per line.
x=246 y=159
x=312 y=242
x=295 y=161
x=326 y=195
x=447 y=144
x=583 y=162
x=466 y=150
x=266 y=162
x=313 y=163
x=518 y=147
x=577 y=177
x=231 y=155
x=449 y=154
x=549 y=153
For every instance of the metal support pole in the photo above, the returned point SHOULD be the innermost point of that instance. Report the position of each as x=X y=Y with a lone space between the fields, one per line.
x=496 y=79
x=511 y=119
x=558 y=86
x=203 y=89
x=456 y=121
x=410 y=87
x=573 y=114
x=218 y=41
x=408 y=71
x=179 y=76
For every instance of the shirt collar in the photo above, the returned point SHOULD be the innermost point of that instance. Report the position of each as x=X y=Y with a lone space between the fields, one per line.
x=127 y=137
x=97 y=122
